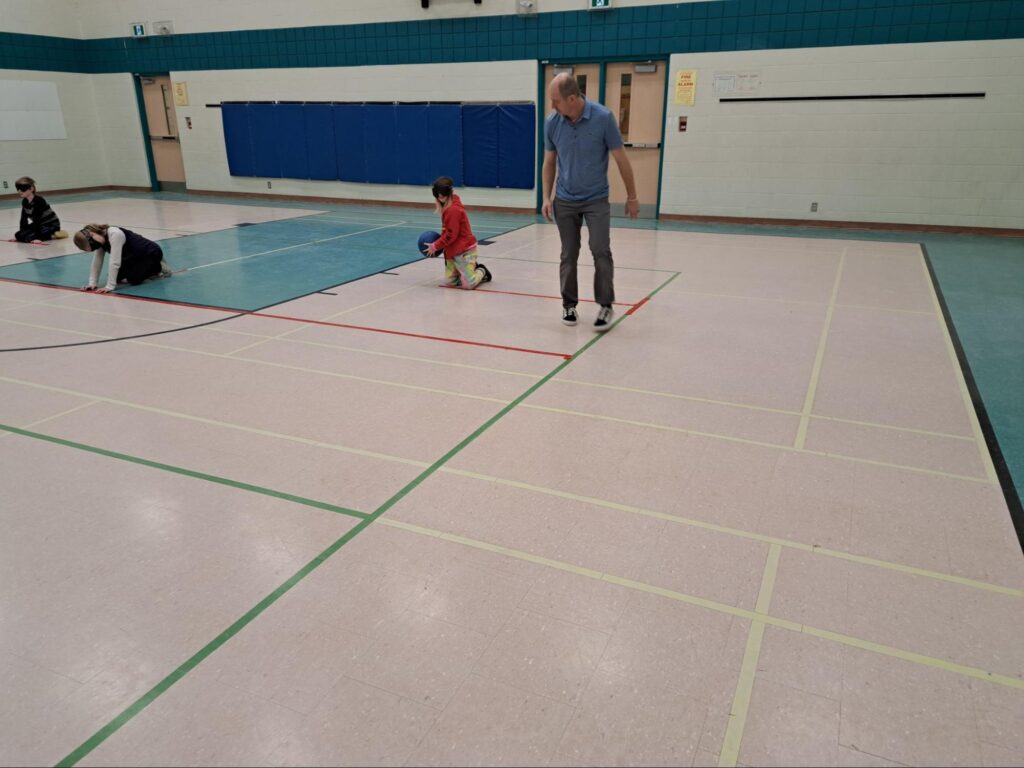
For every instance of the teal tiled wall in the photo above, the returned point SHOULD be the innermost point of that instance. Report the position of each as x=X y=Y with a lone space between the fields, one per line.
x=630 y=33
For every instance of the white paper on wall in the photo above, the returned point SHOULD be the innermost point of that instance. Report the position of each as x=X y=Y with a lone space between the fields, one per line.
x=29 y=110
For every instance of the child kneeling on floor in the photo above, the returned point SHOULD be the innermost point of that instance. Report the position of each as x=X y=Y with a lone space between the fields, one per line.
x=133 y=258
x=461 y=269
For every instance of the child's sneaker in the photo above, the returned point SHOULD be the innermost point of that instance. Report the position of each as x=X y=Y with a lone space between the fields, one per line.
x=569 y=316
x=487 y=273
x=604 y=319
x=60 y=234
x=165 y=269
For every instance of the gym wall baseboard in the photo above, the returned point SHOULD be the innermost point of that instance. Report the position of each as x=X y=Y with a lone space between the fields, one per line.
x=351 y=201
x=872 y=225
x=81 y=189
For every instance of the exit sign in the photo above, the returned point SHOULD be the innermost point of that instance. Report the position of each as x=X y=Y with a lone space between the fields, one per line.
x=138 y=29
x=599 y=5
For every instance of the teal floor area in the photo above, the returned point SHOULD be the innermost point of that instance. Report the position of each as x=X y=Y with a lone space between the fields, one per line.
x=260 y=265
x=980 y=278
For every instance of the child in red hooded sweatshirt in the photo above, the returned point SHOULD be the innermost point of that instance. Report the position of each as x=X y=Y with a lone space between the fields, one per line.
x=457 y=241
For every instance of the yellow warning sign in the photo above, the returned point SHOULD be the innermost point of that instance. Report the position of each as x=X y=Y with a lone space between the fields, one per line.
x=686 y=86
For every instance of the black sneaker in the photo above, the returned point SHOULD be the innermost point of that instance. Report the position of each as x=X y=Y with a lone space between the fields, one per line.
x=487 y=273
x=569 y=316
x=604 y=319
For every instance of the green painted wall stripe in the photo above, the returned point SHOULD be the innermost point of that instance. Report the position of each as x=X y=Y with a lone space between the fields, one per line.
x=140 y=102
x=150 y=696
x=186 y=472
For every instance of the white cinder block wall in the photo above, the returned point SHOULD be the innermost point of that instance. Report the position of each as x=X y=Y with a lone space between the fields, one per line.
x=206 y=165
x=110 y=18
x=950 y=161
x=104 y=136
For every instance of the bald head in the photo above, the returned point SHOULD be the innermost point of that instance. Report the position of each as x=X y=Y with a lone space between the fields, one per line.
x=565 y=95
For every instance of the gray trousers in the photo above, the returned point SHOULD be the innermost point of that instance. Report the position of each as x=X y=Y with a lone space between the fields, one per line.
x=569 y=217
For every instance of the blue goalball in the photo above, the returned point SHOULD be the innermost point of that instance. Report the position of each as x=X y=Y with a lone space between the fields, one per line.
x=426 y=239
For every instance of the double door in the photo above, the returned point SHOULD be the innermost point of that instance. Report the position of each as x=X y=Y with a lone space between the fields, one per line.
x=637 y=99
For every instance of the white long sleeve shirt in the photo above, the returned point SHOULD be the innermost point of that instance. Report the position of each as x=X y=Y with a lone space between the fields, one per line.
x=117 y=239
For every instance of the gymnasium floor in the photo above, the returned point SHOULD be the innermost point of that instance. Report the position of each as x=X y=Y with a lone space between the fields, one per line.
x=299 y=504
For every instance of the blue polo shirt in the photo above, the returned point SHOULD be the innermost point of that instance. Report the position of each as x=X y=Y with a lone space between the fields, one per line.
x=582 y=151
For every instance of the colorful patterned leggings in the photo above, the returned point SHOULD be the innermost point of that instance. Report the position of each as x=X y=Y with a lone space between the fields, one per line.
x=462 y=272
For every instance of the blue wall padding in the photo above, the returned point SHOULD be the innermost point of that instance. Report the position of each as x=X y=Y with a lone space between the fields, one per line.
x=235 y=118
x=444 y=123
x=480 y=145
x=516 y=131
x=414 y=148
x=348 y=141
x=318 y=126
x=265 y=140
x=380 y=142
x=291 y=133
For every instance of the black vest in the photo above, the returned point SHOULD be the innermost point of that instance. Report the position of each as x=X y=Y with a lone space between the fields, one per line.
x=134 y=246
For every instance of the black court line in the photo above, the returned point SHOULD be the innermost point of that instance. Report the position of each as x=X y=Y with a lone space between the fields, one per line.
x=328 y=293
x=1010 y=492
x=857 y=97
x=238 y=312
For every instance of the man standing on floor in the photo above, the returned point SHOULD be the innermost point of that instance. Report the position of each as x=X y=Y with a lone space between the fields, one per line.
x=580 y=134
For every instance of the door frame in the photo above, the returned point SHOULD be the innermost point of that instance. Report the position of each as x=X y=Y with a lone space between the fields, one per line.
x=144 y=123
x=602 y=74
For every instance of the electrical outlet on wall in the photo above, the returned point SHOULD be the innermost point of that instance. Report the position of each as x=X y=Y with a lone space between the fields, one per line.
x=814 y=207
x=268 y=185
x=5 y=185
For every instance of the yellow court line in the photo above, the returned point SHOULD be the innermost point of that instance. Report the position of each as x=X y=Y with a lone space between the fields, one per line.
x=303 y=326
x=51 y=417
x=8 y=321
x=262 y=339
x=744 y=297
x=764 y=408
x=759 y=443
x=143 y=318
x=819 y=358
x=546 y=491
x=375 y=353
x=713 y=605
x=886 y=309
x=402 y=385
x=605 y=504
x=316 y=371
x=979 y=437
x=234 y=356
x=225 y=424
x=23 y=303
x=730 y=751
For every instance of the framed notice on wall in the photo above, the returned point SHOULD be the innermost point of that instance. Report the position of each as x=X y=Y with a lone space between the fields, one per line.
x=686 y=87
x=30 y=110
x=180 y=94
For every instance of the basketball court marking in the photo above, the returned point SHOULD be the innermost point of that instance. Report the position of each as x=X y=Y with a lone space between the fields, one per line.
x=819 y=358
x=146 y=699
x=291 y=247
x=958 y=373
x=713 y=605
x=748 y=668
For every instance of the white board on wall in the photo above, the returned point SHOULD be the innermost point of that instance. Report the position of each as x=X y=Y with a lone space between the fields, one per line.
x=30 y=109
